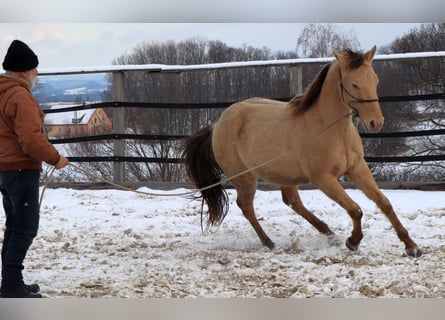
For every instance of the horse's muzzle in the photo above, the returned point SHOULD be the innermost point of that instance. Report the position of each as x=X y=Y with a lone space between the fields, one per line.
x=373 y=125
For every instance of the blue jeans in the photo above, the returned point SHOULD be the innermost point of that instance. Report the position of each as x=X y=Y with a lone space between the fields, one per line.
x=20 y=191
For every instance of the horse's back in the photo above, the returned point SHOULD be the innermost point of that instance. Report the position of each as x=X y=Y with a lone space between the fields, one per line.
x=258 y=102
x=253 y=109
x=250 y=117
x=250 y=132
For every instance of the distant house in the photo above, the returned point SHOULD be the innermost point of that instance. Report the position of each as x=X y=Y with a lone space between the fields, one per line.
x=77 y=123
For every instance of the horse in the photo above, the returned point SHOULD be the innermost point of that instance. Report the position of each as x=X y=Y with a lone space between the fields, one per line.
x=311 y=138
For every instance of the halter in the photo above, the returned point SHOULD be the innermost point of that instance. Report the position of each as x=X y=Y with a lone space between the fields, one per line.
x=355 y=99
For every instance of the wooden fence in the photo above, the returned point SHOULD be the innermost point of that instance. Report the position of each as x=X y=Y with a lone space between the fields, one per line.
x=295 y=70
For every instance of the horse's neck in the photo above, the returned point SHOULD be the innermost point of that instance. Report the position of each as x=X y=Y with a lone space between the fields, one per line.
x=330 y=105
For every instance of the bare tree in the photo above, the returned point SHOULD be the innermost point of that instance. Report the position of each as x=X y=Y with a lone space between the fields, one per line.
x=322 y=39
x=189 y=87
x=415 y=77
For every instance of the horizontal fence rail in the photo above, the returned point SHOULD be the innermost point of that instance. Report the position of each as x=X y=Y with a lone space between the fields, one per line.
x=217 y=105
x=222 y=105
x=161 y=68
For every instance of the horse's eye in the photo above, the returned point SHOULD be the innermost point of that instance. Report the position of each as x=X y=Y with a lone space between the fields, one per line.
x=355 y=86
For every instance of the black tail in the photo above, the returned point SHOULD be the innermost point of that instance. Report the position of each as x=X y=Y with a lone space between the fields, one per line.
x=203 y=171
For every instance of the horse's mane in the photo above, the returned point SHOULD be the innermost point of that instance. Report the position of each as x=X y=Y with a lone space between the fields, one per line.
x=303 y=102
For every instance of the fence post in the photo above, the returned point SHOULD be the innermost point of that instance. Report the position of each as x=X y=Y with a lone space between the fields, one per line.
x=118 y=94
x=296 y=80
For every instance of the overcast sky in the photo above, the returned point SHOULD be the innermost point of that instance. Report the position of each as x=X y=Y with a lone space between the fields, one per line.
x=61 y=45
x=93 y=33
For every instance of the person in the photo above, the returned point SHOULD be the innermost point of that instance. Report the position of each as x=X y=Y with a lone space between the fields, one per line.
x=23 y=148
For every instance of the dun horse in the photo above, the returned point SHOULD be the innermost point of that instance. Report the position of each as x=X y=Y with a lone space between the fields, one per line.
x=311 y=138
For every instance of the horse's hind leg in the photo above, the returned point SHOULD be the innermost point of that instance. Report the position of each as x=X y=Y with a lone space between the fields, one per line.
x=292 y=198
x=246 y=188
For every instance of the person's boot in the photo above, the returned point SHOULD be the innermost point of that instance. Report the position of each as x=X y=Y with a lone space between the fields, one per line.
x=34 y=287
x=23 y=293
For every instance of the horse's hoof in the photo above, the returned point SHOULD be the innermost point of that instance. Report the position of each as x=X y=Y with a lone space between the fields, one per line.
x=415 y=253
x=268 y=243
x=350 y=246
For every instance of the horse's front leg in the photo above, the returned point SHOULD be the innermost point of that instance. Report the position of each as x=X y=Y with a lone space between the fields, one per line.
x=362 y=176
x=332 y=188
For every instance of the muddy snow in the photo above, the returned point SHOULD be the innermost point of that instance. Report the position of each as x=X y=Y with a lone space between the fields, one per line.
x=108 y=243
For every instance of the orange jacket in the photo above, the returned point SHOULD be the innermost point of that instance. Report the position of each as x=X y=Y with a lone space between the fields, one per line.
x=23 y=144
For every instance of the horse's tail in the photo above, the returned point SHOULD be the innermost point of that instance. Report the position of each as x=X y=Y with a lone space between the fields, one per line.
x=203 y=171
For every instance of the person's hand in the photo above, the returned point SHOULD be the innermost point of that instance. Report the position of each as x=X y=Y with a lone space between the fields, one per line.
x=61 y=163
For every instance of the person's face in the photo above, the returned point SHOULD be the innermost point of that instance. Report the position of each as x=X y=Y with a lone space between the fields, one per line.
x=31 y=77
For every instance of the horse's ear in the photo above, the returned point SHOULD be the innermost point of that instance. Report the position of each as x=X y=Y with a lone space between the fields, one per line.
x=342 y=59
x=368 y=56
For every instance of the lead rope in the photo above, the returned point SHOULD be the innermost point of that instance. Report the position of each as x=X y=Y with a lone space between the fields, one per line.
x=45 y=185
x=221 y=182
x=92 y=176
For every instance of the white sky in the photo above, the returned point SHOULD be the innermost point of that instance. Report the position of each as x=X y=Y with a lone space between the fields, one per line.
x=80 y=44
x=85 y=33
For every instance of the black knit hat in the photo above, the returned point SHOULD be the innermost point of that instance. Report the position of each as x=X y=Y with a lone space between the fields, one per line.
x=20 y=57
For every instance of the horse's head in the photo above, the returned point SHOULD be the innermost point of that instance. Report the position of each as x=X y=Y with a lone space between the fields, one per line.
x=358 y=85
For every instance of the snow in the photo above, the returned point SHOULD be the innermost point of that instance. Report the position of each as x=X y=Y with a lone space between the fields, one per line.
x=238 y=64
x=117 y=243
x=78 y=91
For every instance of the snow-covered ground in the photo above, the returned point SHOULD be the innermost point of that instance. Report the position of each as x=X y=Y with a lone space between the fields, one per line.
x=113 y=243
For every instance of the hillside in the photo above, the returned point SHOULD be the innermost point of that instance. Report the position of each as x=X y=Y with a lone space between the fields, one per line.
x=71 y=88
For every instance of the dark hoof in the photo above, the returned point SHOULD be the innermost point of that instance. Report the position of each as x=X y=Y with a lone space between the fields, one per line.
x=350 y=246
x=415 y=253
x=268 y=243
